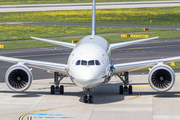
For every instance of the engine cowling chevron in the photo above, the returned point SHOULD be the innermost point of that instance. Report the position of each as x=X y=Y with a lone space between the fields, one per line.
x=18 y=77
x=161 y=78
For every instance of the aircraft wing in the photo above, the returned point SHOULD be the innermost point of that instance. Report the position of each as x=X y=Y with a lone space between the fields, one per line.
x=122 y=44
x=127 y=67
x=70 y=45
x=55 y=67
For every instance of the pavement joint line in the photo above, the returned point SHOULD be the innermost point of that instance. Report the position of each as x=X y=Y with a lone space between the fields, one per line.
x=22 y=116
x=27 y=113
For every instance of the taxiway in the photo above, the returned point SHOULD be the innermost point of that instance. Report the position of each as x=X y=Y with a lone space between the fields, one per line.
x=82 y=6
x=144 y=104
x=150 y=50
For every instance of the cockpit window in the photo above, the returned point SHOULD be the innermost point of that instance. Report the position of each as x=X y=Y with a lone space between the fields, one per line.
x=97 y=62
x=78 y=62
x=91 y=62
x=83 y=62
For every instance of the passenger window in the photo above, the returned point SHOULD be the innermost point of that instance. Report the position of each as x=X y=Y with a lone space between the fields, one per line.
x=78 y=62
x=83 y=62
x=97 y=62
x=91 y=62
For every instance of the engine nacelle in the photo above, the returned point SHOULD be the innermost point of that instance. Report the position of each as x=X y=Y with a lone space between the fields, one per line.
x=18 y=78
x=161 y=77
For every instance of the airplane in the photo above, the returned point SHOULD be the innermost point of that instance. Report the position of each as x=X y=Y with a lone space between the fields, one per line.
x=90 y=65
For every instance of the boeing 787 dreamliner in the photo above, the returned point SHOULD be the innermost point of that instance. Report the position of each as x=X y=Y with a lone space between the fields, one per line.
x=89 y=66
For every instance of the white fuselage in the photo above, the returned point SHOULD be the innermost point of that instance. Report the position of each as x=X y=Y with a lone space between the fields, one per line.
x=89 y=62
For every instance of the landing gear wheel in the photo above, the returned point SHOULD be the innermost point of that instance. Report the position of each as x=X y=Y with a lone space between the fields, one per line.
x=85 y=99
x=130 y=89
x=120 y=89
x=56 y=89
x=91 y=99
x=61 y=89
x=52 y=89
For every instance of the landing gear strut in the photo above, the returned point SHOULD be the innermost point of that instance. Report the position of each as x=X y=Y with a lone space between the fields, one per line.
x=57 y=78
x=125 y=78
x=88 y=98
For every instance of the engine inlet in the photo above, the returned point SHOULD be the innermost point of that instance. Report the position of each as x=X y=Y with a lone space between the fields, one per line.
x=161 y=78
x=18 y=78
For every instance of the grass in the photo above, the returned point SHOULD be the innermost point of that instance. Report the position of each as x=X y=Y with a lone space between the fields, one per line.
x=158 y=16
x=161 y=34
x=21 y=32
x=25 y=45
x=110 y=39
x=13 y=2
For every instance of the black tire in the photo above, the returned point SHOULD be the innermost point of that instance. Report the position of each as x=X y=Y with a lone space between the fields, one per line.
x=52 y=89
x=120 y=89
x=85 y=99
x=130 y=89
x=91 y=99
x=61 y=89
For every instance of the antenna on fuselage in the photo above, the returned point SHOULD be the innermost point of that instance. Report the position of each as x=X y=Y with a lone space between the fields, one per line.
x=94 y=18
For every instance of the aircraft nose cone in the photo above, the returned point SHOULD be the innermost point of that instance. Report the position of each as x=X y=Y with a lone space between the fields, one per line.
x=87 y=74
x=87 y=78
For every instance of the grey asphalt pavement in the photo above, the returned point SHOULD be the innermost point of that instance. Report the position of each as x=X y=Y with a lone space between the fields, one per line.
x=80 y=6
x=155 y=49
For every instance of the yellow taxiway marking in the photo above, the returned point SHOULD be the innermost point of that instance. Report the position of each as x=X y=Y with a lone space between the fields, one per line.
x=133 y=97
x=29 y=118
x=140 y=85
x=21 y=117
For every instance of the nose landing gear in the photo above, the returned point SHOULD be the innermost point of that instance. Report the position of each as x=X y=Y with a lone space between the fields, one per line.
x=88 y=98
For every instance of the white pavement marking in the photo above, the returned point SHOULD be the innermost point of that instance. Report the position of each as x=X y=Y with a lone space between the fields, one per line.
x=83 y=6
